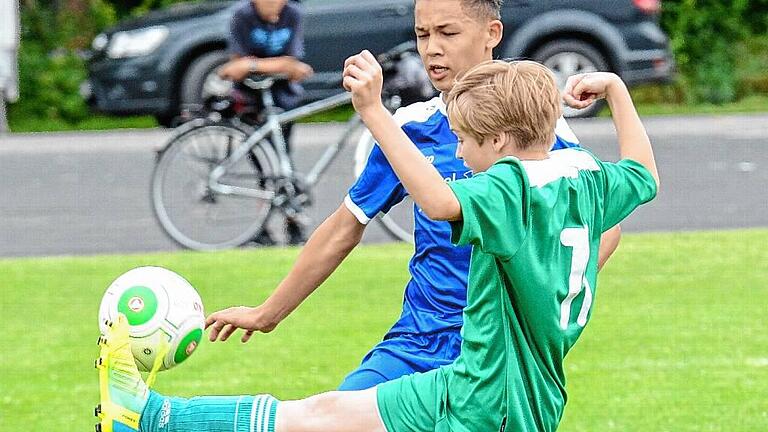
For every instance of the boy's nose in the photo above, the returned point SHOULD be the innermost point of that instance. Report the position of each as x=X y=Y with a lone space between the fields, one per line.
x=458 y=151
x=433 y=47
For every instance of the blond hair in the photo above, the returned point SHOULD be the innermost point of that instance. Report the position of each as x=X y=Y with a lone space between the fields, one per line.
x=519 y=99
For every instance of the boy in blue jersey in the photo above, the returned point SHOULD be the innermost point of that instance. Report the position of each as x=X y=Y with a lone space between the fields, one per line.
x=534 y=219
x=452 y=37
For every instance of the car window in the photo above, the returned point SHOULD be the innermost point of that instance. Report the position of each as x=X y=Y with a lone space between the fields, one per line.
x=336 y=29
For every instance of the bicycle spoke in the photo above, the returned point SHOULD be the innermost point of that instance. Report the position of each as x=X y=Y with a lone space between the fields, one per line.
x=197 y=216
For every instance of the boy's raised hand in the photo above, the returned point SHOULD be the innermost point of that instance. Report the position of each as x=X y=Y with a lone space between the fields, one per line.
x=583 y=90
x=363 y=77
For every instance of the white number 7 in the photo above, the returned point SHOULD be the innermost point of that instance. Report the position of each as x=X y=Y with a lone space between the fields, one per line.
x=578 y=239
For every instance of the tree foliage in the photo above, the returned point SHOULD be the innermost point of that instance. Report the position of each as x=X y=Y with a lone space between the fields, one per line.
x=704 y=37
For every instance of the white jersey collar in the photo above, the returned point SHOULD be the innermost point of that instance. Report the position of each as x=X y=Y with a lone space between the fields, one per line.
x=440 y=104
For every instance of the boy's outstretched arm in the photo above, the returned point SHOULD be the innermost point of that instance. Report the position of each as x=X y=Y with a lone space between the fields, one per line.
x=326 y=248
x=363 y=77
x=583 y=90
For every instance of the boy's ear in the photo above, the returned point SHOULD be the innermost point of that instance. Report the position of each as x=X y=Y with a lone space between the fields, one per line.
x=495 y=32
x=500 y=141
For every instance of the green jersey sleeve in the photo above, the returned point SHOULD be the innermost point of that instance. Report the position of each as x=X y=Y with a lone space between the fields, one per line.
x=493 y=208
x=628 y=185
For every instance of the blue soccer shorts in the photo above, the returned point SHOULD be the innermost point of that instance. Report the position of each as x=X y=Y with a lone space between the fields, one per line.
x=401 y=355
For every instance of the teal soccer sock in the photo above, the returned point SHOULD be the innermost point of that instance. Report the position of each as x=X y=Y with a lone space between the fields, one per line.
x=210 y=413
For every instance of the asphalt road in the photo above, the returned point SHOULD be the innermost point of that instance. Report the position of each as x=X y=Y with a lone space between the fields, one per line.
x=88 y=193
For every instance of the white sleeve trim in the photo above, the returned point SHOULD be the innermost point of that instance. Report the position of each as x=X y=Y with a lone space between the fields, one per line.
x=357 y=211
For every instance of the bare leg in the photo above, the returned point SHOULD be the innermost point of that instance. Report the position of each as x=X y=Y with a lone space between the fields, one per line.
x=127 y=402
x=353 y=411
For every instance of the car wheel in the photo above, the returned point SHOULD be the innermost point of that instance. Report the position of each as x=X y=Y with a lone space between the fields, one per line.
x=570 y=57
x=201 y=81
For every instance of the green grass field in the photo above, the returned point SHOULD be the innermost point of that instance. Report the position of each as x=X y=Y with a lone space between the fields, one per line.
x=677 y=341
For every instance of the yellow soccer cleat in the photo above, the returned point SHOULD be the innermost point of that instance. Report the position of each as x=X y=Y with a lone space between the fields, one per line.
x=123 y=392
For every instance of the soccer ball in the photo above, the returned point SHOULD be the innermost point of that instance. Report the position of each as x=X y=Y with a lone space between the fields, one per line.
x=160 y=306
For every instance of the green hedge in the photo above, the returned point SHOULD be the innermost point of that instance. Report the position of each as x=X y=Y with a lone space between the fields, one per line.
x=51 y=65
x=50 y=61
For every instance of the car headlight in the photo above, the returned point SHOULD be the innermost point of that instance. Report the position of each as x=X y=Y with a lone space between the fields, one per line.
x=100 y=42
x=135 y=43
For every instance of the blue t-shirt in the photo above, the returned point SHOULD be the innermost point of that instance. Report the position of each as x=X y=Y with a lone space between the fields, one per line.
x=249 y=35
x=437 y=292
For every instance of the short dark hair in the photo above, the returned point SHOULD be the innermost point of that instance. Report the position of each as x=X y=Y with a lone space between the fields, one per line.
x=489 y=9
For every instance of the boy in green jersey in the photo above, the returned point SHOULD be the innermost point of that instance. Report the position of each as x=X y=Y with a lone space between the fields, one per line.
x=534 y=219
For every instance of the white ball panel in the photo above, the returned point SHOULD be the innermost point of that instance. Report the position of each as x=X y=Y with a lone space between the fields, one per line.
x=179 y=309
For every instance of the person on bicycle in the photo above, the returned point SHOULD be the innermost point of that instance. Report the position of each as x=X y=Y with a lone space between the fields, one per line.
x=452 y=37
x=266 y=37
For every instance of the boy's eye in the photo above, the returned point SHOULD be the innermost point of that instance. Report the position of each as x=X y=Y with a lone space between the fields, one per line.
x=450 y=33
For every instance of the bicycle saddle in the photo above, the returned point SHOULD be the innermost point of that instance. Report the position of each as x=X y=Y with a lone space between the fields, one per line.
x=261 y=81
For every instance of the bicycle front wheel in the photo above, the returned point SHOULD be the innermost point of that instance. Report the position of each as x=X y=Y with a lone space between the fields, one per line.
x=189 y=211
x=398 y=223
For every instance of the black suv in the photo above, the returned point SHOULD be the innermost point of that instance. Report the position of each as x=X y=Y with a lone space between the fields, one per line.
x=166 y=60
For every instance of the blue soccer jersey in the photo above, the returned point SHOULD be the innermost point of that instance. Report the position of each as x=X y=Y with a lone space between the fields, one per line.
x=436 y=294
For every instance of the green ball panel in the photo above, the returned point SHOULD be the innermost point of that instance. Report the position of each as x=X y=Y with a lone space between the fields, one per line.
x=138 y=304
x=187 y=345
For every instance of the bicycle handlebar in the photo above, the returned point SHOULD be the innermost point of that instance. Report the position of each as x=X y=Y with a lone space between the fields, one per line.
x=387 y=60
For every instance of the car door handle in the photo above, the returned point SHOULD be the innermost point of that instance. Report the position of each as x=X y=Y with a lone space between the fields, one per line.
x=396 y=11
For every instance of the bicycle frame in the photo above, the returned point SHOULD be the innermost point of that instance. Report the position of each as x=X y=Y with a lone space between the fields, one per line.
x=272 y=128
x=235 y=160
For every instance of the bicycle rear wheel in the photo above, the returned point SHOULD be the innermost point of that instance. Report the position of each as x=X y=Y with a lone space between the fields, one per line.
x=189 y=211
x=398 y=223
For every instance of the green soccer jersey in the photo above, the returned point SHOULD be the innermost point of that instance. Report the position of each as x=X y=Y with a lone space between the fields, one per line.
x=535 y=227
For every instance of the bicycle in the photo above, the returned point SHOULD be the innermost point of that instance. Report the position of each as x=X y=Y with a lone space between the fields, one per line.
x=219 y=179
